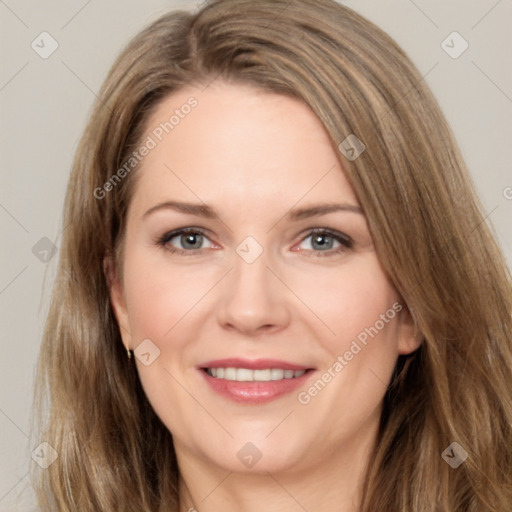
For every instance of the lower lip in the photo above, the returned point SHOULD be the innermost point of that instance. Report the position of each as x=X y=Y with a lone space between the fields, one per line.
x=255 y=392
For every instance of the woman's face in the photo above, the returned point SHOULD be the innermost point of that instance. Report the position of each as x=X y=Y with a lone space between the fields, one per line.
x=264 y=328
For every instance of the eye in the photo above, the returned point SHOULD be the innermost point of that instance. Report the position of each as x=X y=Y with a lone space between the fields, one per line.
x=325 y=241
x=185 y=240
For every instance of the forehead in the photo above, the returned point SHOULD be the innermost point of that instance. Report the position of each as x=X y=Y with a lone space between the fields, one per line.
x=238 y=142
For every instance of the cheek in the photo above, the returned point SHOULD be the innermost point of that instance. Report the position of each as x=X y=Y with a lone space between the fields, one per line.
x=351 y=301
x=161 y=302
x=159 y=295
x=360 y=306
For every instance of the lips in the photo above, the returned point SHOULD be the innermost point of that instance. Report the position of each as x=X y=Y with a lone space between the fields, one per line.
x=255 y=381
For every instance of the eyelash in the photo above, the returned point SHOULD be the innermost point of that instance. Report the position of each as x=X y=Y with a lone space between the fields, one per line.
x=345 y=241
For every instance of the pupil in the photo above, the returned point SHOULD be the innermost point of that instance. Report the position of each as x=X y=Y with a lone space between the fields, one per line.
x=193 y=240
x=322 y=241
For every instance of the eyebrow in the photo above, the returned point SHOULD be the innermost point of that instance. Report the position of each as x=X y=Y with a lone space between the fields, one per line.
x=323 y=209
x=203 y=210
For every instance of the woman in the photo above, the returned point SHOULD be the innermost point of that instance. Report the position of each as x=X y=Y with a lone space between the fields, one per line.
x=276 y=289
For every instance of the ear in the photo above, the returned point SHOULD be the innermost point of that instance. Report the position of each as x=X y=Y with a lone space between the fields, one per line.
x=117 y=300
x=409 y=337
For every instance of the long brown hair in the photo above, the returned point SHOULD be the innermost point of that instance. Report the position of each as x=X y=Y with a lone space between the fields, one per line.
x=427 y=225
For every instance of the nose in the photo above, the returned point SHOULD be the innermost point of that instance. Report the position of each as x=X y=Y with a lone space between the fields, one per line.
x=253 y=300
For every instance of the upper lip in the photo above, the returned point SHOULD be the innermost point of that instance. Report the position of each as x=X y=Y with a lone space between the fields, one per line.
x=253 y=364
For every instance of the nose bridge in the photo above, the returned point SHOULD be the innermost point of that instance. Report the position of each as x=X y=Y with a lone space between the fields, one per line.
x=250 y=276
x=253 y=297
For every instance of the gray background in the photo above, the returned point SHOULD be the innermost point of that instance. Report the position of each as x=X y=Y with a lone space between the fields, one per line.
x=45 y=102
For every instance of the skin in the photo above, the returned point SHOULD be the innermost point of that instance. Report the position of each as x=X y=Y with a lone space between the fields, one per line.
x=253 y=156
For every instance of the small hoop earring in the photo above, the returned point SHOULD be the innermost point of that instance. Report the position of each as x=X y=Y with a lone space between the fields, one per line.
x=129 y=352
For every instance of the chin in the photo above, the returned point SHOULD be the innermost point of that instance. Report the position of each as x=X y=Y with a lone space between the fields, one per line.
x=256 y=455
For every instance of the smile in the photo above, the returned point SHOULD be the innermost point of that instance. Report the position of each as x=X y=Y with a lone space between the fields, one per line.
x=248 y=375
x=254 y=381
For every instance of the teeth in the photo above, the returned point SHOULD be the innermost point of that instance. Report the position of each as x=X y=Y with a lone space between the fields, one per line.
x=276 y=374
x=244 y=375
x=229 y=373
x=261 y=375
x=247 y=375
